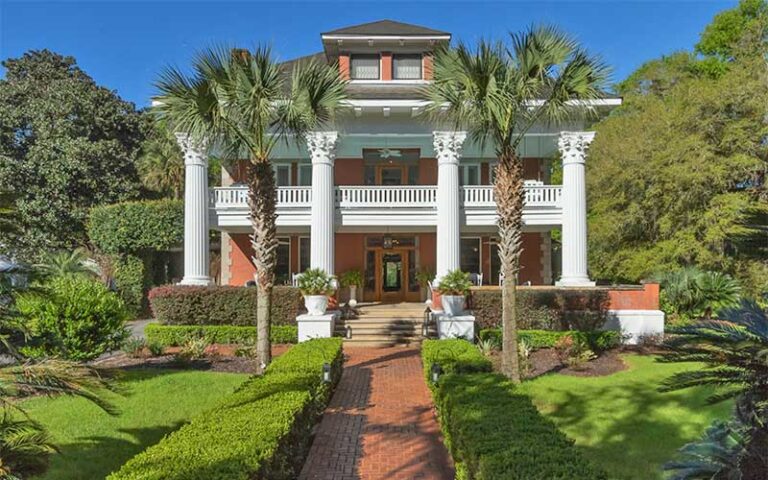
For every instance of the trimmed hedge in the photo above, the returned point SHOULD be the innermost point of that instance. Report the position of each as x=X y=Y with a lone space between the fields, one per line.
x=177 y=335
x=261 y=431
x=130 y=227
x=187 y=305
x=492 y=432
x=598 y=340
x=544 y=309
x=453 y=356
x=130 y=281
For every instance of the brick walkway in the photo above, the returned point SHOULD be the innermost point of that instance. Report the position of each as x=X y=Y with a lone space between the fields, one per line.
x=380 y=423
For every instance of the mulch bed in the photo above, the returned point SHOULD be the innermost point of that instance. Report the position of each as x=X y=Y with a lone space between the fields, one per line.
x=219 y=358
x=545 y=360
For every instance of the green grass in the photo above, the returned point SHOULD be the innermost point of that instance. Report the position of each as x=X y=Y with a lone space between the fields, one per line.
x=621 y=421
x=155 y=402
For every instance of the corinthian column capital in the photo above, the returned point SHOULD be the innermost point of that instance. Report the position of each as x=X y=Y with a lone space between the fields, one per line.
x=322 y=146
x=193 y=149
x=574 y=145
x=448 y=146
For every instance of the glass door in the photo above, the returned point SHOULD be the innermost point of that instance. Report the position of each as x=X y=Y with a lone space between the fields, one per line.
x=392 y=273
x=391 y=175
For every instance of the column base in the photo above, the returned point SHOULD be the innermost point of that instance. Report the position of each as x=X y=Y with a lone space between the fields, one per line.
x=197 y=281
x=574 y=282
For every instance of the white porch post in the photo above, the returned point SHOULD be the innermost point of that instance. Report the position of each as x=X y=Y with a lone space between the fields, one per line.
x=448 y=151
x=322 y=150
x=196 y=248
x=573 y=147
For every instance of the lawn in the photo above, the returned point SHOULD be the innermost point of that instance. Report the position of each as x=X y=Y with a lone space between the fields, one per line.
x=154 y=403
x=621 y=421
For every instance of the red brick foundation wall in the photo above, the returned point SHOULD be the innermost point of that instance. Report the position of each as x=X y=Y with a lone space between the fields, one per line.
x=645 y=298
x=241 y=269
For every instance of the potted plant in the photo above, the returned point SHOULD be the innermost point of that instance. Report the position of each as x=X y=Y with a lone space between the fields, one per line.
x=453 y=288
x=316 y=285
x=352 y=279
x=424 y=277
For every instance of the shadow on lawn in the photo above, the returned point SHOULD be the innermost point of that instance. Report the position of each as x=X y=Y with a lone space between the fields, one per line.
x=97 y=457
x=635 y=441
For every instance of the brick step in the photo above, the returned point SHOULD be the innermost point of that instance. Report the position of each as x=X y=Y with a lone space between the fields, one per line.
x=356 y=342
x=370 y=319
x=379 y=329
x=380 y=323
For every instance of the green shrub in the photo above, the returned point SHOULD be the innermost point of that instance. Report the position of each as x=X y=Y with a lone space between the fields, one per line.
x=178 y=335
x=75 y=318
x=544 y=309
x=261 y=431
x=186 y=305
x=453 y=356
x=130 y=281
x=131 y=227
x=598 y=341
x=494 y=433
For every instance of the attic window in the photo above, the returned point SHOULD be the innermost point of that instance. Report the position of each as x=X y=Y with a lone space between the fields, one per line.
x=406 y=67
x=364 y=67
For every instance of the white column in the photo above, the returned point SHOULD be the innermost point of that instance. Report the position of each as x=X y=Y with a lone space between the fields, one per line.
x=322 y=151
x=196 y=248
x=448 y=151
x=573 y=147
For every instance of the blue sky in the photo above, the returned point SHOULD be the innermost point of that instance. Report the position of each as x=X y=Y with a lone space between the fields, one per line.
x=123 y=45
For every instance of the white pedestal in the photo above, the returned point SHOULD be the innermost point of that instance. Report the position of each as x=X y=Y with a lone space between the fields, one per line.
x=460 y=326
x=635 y=324
x=317 y=326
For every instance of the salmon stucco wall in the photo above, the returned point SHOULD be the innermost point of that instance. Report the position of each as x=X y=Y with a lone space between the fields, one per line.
x=428 y=171
x=241 y=268
x=349 y=171
x=350 y=252
x=427 y=251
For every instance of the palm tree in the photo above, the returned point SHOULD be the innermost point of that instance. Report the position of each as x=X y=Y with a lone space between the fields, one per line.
x=497 y=92
x=161 y=164
x=63 y=263
x=243 y=103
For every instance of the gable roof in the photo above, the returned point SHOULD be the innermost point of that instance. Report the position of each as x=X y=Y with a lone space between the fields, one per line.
x=387 y=28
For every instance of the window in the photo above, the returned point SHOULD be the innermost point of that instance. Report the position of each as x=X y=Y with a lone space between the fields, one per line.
x=364 y=67
x=406 y=67
x=305 y=175
x=282 y=175
x=495 y=263
x=283 y=265
x=469 y=175
x=304 y=247
x=470 y=255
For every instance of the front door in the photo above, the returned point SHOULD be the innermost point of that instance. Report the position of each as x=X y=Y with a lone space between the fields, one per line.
x=391 y=175
x=392 y=275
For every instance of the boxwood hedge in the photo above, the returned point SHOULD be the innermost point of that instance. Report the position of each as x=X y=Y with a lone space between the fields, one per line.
x=177 y=335
x=187 y=305
x=492 y=432
x=598 y=340
x=262 y=431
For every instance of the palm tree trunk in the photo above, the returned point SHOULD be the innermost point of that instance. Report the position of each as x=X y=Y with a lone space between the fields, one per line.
x=262 y=199
x=509 y=193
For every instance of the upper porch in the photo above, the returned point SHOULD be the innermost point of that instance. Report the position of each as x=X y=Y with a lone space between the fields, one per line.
x=380 y=205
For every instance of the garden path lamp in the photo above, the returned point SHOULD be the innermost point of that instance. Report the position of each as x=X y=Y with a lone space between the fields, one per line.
x=436 y=371
x=327 y=372
x=348 y=331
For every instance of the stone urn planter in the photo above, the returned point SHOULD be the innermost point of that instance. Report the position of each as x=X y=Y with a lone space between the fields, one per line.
x=453 y=305
x=316 y=286
x=453 y=288
x=316 y=304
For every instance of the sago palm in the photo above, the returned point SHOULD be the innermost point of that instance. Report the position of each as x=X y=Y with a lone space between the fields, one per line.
x=243 y=104
x=161 y=164
x=497 y=92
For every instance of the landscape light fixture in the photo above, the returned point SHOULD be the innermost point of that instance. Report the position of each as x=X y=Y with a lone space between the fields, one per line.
x=436 y=371
x=327 y=372
x=349 y=331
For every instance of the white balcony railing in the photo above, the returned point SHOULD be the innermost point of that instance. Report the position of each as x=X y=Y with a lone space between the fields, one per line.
x=535 y=196
x=424 y=196
x=386 y=196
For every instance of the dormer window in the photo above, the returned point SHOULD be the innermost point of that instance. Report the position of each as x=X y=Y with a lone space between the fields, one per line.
x=406 y=67
x=365 y=67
